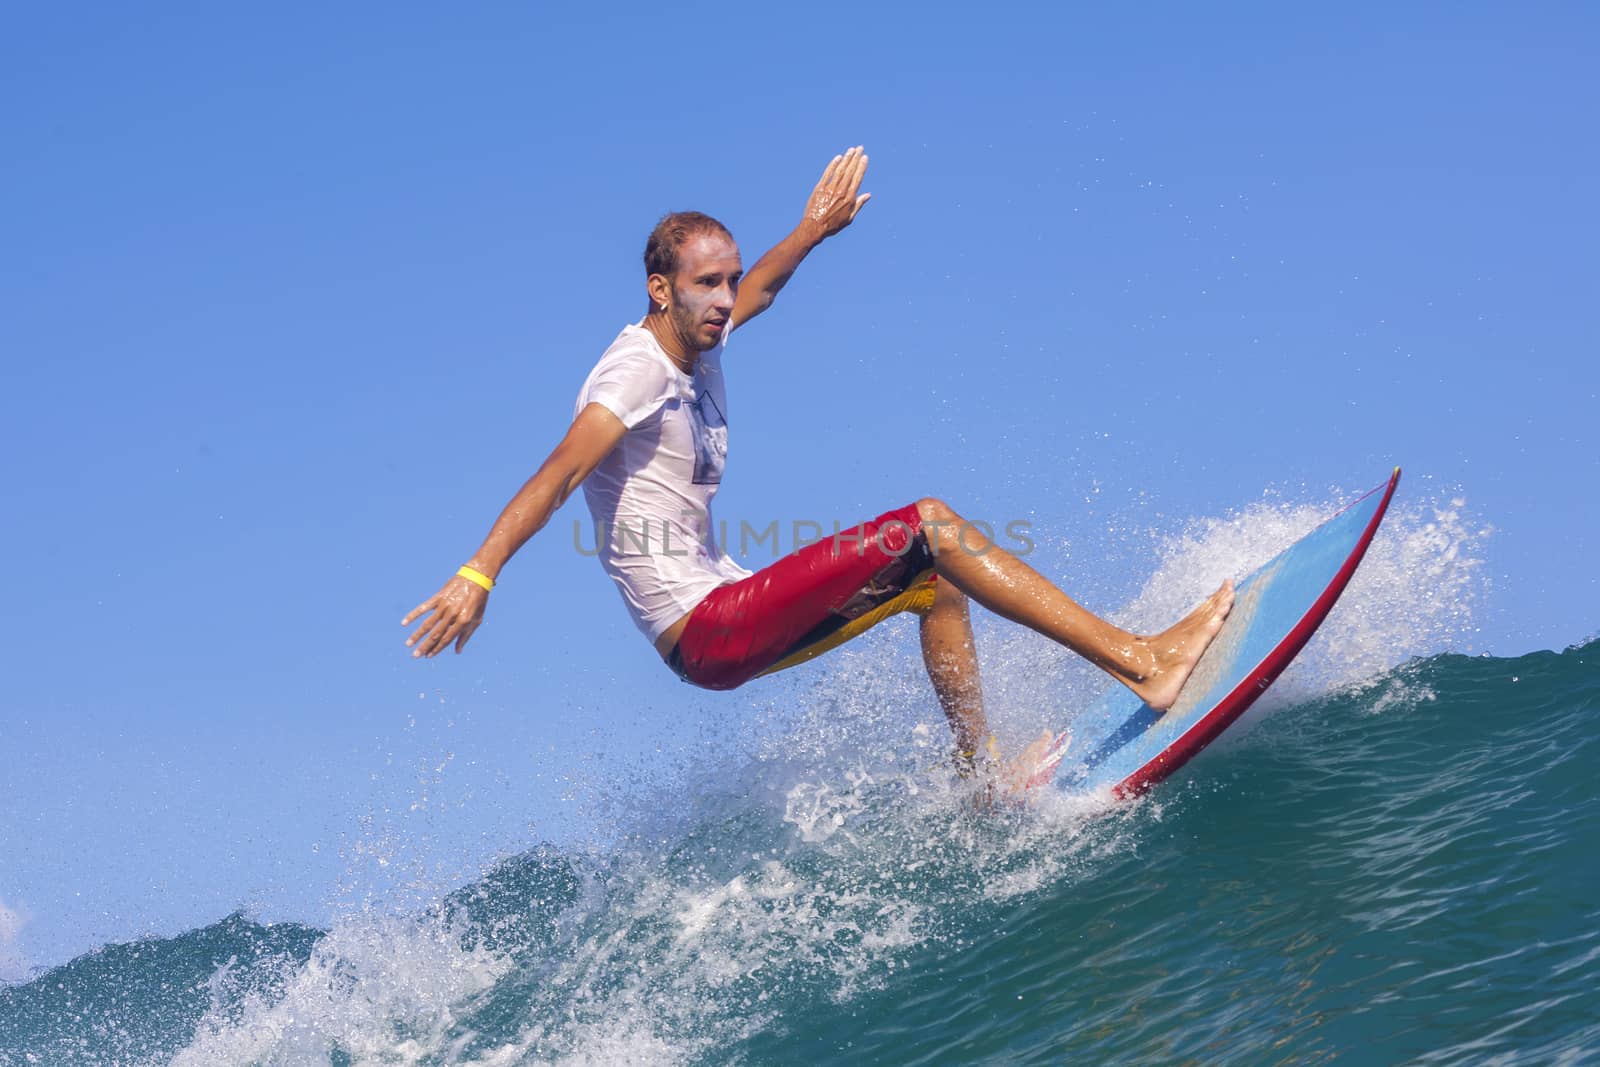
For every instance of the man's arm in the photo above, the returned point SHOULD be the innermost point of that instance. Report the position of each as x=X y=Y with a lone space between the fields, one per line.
x=458 y=607
x=834 y=204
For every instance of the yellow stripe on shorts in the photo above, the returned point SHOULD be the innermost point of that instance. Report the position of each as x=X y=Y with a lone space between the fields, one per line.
x=918 y=598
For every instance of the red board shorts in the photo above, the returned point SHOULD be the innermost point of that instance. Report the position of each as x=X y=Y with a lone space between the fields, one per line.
x=807 y=602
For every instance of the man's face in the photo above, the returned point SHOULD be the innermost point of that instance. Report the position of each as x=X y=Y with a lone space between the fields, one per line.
x=704 y=289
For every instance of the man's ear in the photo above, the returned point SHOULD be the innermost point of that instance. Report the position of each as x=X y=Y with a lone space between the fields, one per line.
x=659 y=286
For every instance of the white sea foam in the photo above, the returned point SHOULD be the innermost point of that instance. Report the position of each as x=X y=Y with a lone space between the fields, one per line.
x=381 y=988
x=818 y=811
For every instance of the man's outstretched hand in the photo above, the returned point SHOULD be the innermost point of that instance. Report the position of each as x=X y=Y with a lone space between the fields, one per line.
x=1006 y=783
x=1016 y=774
x=457 y=612
x=837 y=199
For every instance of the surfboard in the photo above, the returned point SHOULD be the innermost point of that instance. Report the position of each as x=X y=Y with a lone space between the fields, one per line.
x=1122 y=743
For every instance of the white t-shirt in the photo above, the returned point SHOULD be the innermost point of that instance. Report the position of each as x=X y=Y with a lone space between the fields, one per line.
x=651 y=497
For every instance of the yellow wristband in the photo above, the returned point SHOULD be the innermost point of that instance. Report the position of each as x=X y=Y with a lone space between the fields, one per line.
x=476 y=578
x=966 y=760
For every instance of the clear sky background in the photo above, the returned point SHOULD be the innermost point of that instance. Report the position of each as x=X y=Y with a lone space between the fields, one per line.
x=293 y=298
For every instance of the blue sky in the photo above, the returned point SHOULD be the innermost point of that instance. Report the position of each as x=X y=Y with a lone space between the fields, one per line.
x=293 y=299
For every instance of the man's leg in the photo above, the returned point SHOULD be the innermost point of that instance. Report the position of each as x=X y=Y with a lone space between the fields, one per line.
x=951 y=656
x=1154 y=667
x=952 y=661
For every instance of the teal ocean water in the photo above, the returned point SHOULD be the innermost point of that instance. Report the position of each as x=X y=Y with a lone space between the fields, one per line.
x=1390 y=865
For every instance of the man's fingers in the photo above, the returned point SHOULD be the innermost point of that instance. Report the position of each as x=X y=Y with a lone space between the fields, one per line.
x=420 y=610
x=829 y=172
x=419 y=636
x=466 y=633
x=428 y=636
x=847 y=167
x=416 y=635
x=439 y=640
x=444 y=639
x=857 y=172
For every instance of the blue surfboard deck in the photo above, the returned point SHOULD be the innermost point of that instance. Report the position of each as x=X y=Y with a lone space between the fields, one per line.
x=1121 y=743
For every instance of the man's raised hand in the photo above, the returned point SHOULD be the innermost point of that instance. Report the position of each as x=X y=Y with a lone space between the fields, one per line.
x=837 y=199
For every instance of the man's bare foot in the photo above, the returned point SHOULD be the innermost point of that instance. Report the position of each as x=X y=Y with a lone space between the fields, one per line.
x=1177 y=650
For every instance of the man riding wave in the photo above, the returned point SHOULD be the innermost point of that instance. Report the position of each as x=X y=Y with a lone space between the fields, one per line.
x=647 y=443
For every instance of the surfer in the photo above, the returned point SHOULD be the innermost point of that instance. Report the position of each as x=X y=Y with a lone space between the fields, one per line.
x=648 y=442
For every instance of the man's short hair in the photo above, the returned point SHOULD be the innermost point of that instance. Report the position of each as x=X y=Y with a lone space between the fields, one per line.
x=670 y=235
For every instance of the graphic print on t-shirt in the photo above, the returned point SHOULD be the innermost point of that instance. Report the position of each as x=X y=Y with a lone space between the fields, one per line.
x=710 y=438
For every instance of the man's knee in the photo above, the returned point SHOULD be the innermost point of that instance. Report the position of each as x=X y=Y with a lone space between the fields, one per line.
x=940 y=524
x=932 y=509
